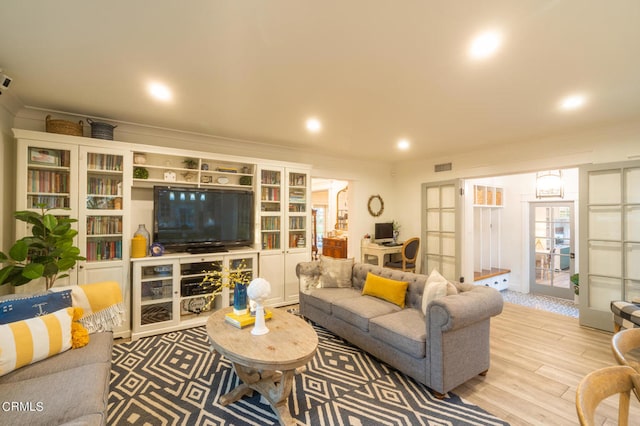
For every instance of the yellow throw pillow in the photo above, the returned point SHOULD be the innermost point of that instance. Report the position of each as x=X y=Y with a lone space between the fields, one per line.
x=385 y=288
x=25 y=342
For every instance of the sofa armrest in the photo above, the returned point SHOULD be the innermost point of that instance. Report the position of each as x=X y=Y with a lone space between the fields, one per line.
x=463 y=309
x=308 y=274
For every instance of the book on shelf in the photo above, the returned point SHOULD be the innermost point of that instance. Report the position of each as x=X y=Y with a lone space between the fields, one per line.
x=241 y=321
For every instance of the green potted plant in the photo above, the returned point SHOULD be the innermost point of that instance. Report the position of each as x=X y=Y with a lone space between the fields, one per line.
x=48 y=253
x=190 y=163
x=575 y=281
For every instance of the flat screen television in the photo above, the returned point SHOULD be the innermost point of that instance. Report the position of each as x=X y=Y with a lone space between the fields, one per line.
x=383 y=232
x=202 y=220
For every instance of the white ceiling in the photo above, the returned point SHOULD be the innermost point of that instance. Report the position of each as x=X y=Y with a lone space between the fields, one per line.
x=372 y=71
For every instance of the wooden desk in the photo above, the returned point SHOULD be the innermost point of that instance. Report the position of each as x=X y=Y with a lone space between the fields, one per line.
x=264 y=363
x=378 y=251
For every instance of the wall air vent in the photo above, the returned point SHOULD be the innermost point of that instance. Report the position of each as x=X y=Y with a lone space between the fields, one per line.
x=444 y=167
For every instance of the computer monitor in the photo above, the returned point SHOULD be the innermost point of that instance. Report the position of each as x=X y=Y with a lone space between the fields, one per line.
x=383 y=232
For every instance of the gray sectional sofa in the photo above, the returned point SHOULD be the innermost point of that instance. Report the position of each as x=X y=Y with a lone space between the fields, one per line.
x=71 y=388
x=442 y=349
x=51 y=374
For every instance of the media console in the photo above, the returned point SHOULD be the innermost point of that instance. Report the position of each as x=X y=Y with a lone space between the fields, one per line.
x=166 y=293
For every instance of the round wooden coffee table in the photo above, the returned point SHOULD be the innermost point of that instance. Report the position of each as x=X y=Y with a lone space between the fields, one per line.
x=264 y=363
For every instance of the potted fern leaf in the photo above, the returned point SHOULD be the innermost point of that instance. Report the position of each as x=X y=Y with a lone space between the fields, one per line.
x=48 y=253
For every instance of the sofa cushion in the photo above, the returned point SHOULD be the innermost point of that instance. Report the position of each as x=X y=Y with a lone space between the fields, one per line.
x=308 y=274
x=385 y=288
x=323 y=298
x=435 y=288
x=335 y=272
x=34 y=339
x=97 y=351
x=404 y=330
x=22 y=308
x=62 y=397
x=357 y=311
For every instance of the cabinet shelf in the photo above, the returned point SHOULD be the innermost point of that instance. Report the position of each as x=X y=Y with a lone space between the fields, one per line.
x=146 y=301
x=207 y=171
x=104 y=172
x=50 y=194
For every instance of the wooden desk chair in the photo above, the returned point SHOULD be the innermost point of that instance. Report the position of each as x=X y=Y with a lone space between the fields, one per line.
x=601 y=384
x=624 y=342
x=409 y=256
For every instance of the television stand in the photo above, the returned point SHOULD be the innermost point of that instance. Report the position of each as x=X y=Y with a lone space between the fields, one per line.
x=206 y=249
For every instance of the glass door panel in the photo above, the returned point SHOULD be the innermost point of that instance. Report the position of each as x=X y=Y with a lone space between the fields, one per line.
x=610 y=235
x=271 y=209
x=440 y=227
x=156 y=294
x=552 y=249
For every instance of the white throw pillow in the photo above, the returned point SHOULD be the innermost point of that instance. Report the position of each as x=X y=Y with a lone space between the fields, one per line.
x=335 y=272
x=434 y=288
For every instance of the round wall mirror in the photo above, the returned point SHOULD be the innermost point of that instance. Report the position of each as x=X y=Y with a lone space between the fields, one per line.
x=375 y=205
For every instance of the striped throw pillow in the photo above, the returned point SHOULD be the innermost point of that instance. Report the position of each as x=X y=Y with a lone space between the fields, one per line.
x=28 y=341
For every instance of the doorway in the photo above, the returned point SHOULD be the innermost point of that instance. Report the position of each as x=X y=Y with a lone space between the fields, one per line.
x=329 y=201
x=552 y=251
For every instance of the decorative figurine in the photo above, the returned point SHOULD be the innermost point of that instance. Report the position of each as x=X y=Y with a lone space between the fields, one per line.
x=259 y=289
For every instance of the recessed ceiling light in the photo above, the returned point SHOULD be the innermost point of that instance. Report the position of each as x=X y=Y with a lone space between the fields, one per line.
x=403 y=144
x=572 y=102
x=313 y=125
x=485 y=44
x=159 y=91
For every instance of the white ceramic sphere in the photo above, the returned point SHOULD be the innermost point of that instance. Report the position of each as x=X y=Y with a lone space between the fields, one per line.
x=259 y=289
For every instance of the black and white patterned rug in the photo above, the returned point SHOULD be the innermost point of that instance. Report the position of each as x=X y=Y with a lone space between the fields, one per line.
x=174 y=379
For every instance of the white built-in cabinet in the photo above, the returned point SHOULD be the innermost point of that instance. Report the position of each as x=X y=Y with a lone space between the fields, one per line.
x=108 y=187
x=166 y=291
x=284 y=218
x=80 y=178
x=489 y=271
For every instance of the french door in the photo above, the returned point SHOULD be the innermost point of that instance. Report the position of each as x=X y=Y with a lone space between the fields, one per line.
x=552 y=251
x=441 y=224
x=609 y=239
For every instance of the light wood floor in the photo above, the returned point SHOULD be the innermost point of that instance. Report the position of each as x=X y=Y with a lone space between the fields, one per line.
x=537 y=360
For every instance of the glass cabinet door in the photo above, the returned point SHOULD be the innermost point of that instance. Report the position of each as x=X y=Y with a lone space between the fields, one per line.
x=102 y=198
x=46 y=179
x=271 y=209
x=245 y=265
x=156 y=294
x=297 y=213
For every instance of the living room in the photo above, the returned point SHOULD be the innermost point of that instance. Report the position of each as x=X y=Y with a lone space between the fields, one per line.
x=487 y=119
